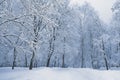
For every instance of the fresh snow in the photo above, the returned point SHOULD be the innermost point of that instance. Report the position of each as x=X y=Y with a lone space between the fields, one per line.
x=57 y=74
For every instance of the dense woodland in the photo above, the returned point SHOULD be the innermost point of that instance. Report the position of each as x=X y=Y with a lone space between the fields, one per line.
x=51 y=33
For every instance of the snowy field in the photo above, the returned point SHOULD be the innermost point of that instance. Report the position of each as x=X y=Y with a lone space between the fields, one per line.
x=58 y=74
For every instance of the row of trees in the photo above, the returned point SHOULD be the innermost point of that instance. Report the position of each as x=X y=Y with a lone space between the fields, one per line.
x=51 y=33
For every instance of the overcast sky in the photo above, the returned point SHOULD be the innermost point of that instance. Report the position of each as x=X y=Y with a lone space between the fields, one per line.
x=102 y=6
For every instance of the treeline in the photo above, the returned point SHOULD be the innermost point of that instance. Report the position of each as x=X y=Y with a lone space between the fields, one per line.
x=52 y=33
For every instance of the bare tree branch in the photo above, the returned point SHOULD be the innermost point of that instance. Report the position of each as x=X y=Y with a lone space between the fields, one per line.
x=10 y=20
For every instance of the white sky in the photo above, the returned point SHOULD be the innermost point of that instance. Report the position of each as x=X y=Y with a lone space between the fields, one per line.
x=102 y=6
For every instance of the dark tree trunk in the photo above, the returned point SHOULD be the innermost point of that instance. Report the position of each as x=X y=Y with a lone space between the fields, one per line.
x=32 y=61
x=63 y=62
x=36 y=30
x=63 y=56
x=14 y=58
x=48 y=61
x=105 y=57
x=82 y=55
x=26 y=61
x=51 y=46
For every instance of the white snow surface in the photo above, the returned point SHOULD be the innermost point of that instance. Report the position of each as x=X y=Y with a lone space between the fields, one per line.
x=58 y=74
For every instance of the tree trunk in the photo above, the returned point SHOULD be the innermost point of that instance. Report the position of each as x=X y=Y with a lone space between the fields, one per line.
x=63 y=62
x=63 y=57
x=82 y=55
x=14 y=58
x=48 y=61
x=35 y=41
x=26 y=61
x=106 y=63
x=51 y=46
x=31 y=61
x=105 y=59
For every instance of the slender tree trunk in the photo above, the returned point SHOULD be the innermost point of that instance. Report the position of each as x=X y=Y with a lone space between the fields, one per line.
x=105 y=57
x=51 y=47
x=63 y=57
x=82 y=55
x=35 y=41
x=31 y=61
x=82 y=43
x=14 y=58
x=63 y=61
x=26 y=61
x=33 y=54
x=48 y=61
x=91 y=48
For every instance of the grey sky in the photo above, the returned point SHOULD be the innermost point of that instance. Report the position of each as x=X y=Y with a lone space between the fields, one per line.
x=102 y=6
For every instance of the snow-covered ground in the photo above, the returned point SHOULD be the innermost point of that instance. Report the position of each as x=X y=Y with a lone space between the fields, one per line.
x=58 y=74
